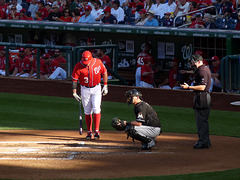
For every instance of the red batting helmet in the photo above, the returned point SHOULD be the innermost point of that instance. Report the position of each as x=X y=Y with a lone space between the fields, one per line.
x=86 y=57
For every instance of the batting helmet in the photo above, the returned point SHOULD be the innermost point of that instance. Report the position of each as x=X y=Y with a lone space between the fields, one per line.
x=131 y=93
x=86 y=57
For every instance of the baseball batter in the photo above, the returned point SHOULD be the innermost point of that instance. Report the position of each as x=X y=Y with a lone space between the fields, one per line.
x=146 y=127
x=88 y=72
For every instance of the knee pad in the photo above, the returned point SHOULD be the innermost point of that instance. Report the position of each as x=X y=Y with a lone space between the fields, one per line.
x=133 y=134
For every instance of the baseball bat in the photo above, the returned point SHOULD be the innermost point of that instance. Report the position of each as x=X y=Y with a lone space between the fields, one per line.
x=80 y=118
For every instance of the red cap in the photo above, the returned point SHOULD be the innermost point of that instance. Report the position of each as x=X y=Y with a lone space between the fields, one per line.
x=107 y=9
x=200 y=52
x=34 y=51
x=215 y=58
x=91 y=40
x=2 y=47
x=142 y=11
x=21 y=49
x=167 y=13
x=46 y=56
x=86 y=57
x=23 y=10
x=87 y=8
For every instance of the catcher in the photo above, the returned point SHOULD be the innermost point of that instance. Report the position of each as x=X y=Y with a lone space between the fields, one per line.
x=146 y=127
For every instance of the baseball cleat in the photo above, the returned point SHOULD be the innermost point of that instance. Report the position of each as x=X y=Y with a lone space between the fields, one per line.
x=89 y=135
x=96 y=135
x=148 y=146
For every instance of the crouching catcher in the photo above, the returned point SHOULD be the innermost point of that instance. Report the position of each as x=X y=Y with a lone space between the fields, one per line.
x=146 y=127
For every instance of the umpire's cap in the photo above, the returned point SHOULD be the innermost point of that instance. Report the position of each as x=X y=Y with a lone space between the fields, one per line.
x=131 y=93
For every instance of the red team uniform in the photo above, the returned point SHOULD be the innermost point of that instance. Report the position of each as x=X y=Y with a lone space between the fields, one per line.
x=3 y=65
x=107 y=62
x=149 y=78
x=48 y=69
x=88 y=72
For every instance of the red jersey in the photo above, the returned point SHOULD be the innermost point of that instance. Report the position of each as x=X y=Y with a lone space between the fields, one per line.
x=44 y=12
x=144 y=57
x=2 y=14
x=64 y=19
x=133 y=5
x=4 y=7
x=149 y=78
x=3 y=63
x=107 y=62
x=48 y=68
x=173 y=77
x=18 y=64
x=60 y=59
x=11 y=17
x=89 y=75
x=26 y=65
x=195 y=24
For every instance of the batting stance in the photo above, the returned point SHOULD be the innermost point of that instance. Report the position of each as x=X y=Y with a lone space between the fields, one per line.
x=201 y=100
x=88 y=72
x=146 y=127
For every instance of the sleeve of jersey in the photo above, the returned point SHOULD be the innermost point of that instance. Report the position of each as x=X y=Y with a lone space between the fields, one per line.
x=103 y=68
x=143 y=69
x=75 y=73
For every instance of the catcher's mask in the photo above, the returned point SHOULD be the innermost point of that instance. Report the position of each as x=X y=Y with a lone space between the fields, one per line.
x=194 y=59
x=131 y=93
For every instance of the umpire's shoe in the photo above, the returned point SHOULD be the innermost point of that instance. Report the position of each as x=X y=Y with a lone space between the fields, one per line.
x=201 y=146
x=148 y=146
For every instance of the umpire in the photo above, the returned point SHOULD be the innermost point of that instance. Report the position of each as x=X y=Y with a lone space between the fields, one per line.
x=201 y=100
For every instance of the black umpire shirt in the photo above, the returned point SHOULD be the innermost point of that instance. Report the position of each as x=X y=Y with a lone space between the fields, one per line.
x=146 y=115
x=203 y=77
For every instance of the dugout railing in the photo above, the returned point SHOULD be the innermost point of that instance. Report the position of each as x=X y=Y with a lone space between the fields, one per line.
x=73 y=55
x=230 y=73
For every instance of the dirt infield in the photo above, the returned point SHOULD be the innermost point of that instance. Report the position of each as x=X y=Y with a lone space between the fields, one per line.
x=35 y=154
x=38 y=154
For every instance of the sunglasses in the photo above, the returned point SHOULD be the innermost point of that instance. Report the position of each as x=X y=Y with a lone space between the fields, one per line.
x=13 y=9
x=66 y=11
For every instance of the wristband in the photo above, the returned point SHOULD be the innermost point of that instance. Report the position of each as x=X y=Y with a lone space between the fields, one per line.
x=105 y=83
x=128 y=123
x=188 y=87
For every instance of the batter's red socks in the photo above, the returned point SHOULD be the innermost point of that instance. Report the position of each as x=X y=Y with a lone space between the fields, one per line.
x=97 y=118
x=88 y=119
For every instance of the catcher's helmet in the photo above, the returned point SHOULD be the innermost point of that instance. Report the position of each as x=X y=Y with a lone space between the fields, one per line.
x=195 y=58
x=131 y=93
x=86 y=57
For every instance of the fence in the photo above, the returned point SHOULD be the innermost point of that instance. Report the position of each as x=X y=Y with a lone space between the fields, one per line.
x=73 y=55
x=230 y=73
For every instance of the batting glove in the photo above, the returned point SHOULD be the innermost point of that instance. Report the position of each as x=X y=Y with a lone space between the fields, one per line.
x=104 y=90
x=78 y=98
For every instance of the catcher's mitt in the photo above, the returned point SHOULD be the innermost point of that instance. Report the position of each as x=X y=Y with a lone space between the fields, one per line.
x=118 y=124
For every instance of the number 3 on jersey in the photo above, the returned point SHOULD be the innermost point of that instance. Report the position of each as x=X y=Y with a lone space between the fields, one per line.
x=86 y=80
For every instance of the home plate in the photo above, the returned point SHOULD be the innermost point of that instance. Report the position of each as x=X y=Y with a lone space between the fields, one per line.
x=236 y=103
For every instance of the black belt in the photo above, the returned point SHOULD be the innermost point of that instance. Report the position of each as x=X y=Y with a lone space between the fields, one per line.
x=90 y=86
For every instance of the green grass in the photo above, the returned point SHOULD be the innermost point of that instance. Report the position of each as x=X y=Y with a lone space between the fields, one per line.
x=46 y=112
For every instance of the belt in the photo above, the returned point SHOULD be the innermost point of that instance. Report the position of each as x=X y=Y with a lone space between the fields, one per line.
x=90 y=86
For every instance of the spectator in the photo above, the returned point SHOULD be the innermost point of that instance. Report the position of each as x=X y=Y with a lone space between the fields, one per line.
x=4 y=7
x=58 y=57
x=198 y=23
x=18 y=62
x=73 y=5
x=14 y=14
x=208 y=22
x=152 y=21
x=215 y=73
x=43 y=10
x=149 y=5
x=33 y=7
x=87 y=18
x=49 y=8
x=3 y=62
x=117 y=11
x=142 y=58
x=83 y=5
x=225 y=7
x=55 y=14
x=28 y=16
x=22 y=14
x=75 y=15
x=160 y=8
x=137 y=15
x=66 y=16
x=105 y=60
x=182 y=7
x=167 y=20
x=38 y=16
x=64 y=5
x=203 y=3
x=174 y=77
x=143 y=17
x=192 y=8
x=108 y=18
x=133 y=5
x=147 y=75
x=238 y=24
x=97 y=12
x=17 y=6
x=170 y=6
